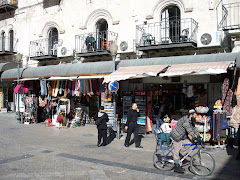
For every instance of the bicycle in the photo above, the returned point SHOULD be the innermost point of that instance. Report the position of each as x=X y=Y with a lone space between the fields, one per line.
x=201 y=163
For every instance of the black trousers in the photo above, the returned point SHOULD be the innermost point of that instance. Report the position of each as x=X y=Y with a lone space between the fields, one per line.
x=133 y=128
x=102 y=133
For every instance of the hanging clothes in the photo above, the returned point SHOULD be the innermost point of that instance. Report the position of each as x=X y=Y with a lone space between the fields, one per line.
x=56 y=89
x=16 y=89
x=227 y=97
x=65 y=88
x=82 y=86
x=77 y=90
x=43 y=86
x=49 y=87
x=91 y=88
x=73 y=87
x=42 y=102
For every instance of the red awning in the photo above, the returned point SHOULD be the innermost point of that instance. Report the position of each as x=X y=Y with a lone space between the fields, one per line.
x=198 y=68
x=133 y=72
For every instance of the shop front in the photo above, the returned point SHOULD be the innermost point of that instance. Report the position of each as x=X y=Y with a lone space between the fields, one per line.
x=64 y=95
x=176 y=88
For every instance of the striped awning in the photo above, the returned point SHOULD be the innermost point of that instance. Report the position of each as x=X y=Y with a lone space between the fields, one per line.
x=198 y=68
x=131 y=72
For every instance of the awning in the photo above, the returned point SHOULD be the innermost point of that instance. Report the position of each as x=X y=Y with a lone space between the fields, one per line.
x=182 y=60
x=7 y=65
x=198 y=68
x=62 y=70
x=124 y=73
x=74 y=77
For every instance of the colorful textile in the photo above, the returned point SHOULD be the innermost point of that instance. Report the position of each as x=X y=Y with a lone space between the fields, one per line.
x=90 y=85
x=82 y=86
x=73 y=87
x=227 y=97
x=56 y=89
x=43 y=102
x=16 y=89
x=235 y=120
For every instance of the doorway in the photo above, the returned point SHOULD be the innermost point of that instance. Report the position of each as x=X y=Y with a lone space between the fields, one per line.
x=101 y=33
x=170 y=24
x=11 y=40
x=52 y=42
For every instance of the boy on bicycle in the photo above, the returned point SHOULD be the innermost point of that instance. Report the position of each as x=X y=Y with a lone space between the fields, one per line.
x=179 y=135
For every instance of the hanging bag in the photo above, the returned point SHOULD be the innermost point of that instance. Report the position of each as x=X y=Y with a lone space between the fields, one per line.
x=98 y=121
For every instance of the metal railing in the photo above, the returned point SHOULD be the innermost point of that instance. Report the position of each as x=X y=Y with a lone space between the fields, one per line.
x=228 y=16
x=100 y=41
x=43 y=47
x=167 y=32
x=10 y=2
x=8 y=44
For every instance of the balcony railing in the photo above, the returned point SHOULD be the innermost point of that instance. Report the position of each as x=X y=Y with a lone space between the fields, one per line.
x=167 y=32
x=43 y=48
x=228 y=16
x=8 y=45
x=99 y=43
x=8 y=5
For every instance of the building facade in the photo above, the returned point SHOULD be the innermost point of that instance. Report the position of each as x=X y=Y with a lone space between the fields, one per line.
x=54 y=31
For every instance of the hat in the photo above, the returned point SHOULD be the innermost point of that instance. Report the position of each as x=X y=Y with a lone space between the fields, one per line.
x=101 y=108
x=191 y=111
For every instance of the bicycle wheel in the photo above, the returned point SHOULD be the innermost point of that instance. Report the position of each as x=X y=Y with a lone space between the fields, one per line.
x=160 y=163
x=202 y=164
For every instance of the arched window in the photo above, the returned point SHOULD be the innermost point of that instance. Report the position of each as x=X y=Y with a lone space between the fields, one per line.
x=53 y=41
x=3 y=41
x=170 y=24
x=11 y=40
x=101 y=32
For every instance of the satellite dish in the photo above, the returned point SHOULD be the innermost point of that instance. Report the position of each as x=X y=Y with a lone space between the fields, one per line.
x=206 y=39
x=123 y=45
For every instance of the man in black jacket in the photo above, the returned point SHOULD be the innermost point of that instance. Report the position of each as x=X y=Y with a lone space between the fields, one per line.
x=102 y=117
x=132 y=126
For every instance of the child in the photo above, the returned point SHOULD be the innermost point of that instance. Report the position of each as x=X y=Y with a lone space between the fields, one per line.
x=166 y=129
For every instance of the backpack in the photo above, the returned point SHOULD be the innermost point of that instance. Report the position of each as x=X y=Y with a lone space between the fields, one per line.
x=98 y=121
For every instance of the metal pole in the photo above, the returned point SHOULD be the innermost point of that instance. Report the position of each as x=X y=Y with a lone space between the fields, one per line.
x=114 y=98
x=18 y=114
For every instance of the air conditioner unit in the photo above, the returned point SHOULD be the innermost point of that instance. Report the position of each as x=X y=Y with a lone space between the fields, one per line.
x=209 y=39
x=64 y=51
x=127 y=46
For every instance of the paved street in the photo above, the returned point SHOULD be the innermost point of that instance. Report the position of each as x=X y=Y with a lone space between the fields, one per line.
x=39 y=152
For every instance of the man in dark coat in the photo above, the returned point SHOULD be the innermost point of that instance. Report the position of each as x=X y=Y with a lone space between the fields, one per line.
x=101 y=117
x=132 y=126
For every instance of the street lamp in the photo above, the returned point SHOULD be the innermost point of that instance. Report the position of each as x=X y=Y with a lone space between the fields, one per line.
x=18 y=59
x=113 y=49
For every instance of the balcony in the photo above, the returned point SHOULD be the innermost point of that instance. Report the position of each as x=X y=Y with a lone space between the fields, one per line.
x=167 y=34
x=43 y=49
x=8 y=5
x=8 y=46
x=228 y=16
x=98 y=45
x=50 y=3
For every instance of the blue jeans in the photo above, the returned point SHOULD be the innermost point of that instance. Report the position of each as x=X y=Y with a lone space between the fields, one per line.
x=159 y=122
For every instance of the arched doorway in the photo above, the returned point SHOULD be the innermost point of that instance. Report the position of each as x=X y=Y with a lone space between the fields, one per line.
x=11 y=40
x=52 y=41
x=101 y=33
x=170 y=24
x=3 y=39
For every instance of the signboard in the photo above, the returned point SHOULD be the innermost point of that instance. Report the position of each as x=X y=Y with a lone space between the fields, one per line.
x=140 y=93
x=113 y=86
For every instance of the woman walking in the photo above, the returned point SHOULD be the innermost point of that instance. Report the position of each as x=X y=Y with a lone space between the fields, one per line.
x=101 y=119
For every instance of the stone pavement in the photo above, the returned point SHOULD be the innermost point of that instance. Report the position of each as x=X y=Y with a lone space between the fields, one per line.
x=38 y=152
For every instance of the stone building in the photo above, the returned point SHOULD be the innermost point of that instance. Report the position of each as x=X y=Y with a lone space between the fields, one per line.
x=54 y=31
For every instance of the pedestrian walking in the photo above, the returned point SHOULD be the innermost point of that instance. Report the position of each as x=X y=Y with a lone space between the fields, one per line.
x=101 y=119
x=132 y=126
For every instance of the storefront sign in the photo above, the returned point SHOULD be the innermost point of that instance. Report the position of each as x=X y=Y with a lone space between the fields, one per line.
x=113 y=86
